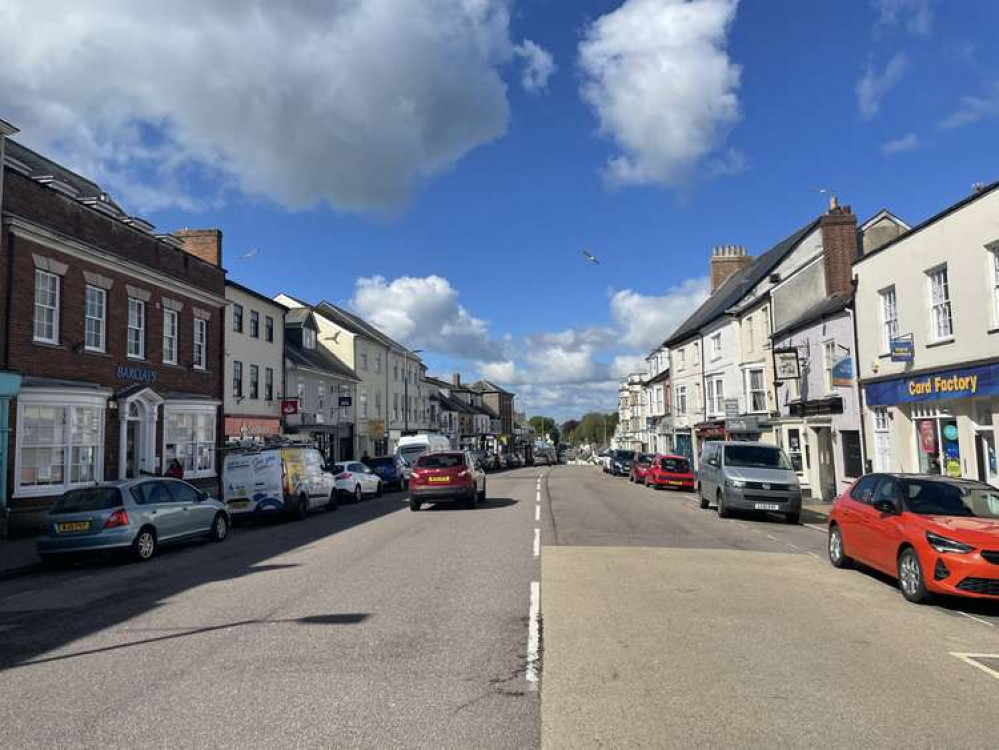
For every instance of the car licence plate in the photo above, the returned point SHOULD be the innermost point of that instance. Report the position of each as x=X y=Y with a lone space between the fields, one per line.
x=62 y=528
x=766 y=506
x=440 y=480
x=676 y=483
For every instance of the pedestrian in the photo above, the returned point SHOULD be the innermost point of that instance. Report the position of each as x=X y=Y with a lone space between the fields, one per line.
x=175 y=470
x=365 y=458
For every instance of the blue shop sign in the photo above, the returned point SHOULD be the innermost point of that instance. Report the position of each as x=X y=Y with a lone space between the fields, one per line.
x=902 y=350
x=134 y=374
x=964 y=382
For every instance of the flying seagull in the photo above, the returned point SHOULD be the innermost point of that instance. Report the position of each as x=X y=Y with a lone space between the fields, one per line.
x=248 y=255
x=591 y=257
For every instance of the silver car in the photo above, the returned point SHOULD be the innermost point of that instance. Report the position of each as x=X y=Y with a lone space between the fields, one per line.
x=132 y=515
x=748 y=476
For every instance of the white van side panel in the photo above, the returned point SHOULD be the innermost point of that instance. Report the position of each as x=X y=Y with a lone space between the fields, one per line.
x=253 y=479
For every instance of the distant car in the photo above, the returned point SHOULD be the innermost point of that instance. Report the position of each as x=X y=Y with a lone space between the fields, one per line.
x=355 y=480
x=620 y=465
x=504 y=461
x=516 y=460
x=748 y=476
x=453 y=476
x=640 y=468
x=604 y=461
x=670 y=471
x=133 y=515
x=411 y=447
x=490 y=462
x=390 y=469
x=935 y=535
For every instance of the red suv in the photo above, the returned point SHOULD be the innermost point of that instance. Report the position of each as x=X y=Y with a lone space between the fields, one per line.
x=452 y=476
x=670 y=471
x=936 y=535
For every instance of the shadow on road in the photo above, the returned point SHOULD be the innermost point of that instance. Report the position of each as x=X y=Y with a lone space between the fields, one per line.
x=487 y=504
x=47 y=610
x=982 y=607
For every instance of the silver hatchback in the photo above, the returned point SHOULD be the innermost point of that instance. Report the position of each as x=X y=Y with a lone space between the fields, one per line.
x=133 y=515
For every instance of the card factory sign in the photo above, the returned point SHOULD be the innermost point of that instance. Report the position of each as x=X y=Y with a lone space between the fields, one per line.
x=966 y=382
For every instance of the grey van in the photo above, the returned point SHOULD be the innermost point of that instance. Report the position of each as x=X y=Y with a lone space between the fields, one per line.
x=748 y=476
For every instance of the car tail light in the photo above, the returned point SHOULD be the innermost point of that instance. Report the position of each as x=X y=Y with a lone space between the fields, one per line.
x=344 y=475
x=118 y=518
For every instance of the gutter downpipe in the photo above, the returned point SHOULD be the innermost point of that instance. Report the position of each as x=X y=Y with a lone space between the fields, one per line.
x=860 y=391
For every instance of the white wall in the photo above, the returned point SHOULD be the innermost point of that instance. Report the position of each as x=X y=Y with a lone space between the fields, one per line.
x=240 y=347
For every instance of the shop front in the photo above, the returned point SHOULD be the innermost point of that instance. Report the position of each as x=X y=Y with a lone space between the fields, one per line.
x=750 y=427
x=939 y=422
x=251 y=428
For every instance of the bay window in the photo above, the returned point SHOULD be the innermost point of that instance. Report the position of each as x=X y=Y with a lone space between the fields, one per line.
x=189 y=436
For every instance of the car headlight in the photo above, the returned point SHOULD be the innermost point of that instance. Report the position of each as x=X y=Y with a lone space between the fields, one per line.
x=735 y=483
x=943 y=544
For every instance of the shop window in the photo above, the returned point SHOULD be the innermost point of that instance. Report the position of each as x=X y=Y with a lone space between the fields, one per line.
x=939 y=449
x=59 y=447
x=853 y=460
x=190 y=438
x=46 y=307
x=794 y=449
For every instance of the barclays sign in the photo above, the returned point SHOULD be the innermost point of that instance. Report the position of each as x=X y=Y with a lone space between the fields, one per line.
x=133 y=374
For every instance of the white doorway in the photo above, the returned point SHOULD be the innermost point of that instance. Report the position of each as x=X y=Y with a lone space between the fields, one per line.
x=138 y=419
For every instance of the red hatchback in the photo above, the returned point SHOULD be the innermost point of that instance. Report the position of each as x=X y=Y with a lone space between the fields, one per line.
x=936 y=535
x=453 y=476
x=670 y=471
x=640 y=467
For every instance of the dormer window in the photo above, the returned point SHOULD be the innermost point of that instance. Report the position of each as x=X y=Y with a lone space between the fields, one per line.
x=308 y=338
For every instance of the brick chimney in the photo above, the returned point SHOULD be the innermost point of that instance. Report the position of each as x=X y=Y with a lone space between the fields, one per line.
x=839 y=243
x=203 y=243
x=725 y=261
x=456 y=379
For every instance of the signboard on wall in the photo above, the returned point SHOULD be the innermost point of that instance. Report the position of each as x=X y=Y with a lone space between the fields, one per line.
x=289 y=406
x=902 y=349
x=965 y=382
x=842 y=372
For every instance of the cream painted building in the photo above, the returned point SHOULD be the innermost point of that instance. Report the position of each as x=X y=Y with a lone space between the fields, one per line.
x=927 y=307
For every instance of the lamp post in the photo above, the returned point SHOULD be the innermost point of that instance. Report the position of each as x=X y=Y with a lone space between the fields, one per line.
x=405 y=377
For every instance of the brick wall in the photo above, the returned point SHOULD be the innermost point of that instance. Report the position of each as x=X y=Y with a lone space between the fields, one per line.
x=839 y=242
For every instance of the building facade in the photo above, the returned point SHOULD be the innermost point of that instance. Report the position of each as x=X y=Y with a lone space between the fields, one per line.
x=658 y=396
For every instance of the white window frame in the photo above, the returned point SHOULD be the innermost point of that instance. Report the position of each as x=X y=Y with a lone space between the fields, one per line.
x=65 y=399
x=200 y=344
x=716 y=346
x=716 y=395
x=697 y=353
x=889 y=316
x=994 y=281
x=761 y=391
x=308 y=338
x=941 y=312
x=208 y=415
x=880 y=418
x=140 y=308
x=237 y=379
x=681 y=360
x=100 y=321
x=52 y=307
x=828 y=357
x=170 y=343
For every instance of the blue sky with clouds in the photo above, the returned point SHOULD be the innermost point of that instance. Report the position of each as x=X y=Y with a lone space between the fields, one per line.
x=441 y=168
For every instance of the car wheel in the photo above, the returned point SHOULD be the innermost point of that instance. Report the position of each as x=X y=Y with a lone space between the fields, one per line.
x=910 y=577
x=144 y=546
x=334 y=501
x=793 y=519
x=703 y=500
x=473 y=498
x=358 y=495
x=837 y=554
x=302 y=510
x=414 y=504
x=220 y=528
x=723 y=512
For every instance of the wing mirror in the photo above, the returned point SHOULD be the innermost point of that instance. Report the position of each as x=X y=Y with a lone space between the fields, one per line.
x=885 y=506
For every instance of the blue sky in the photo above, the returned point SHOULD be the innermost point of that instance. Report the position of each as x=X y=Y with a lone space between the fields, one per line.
x=474 y=252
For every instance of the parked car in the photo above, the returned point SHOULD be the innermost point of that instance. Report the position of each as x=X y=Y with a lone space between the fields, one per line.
x=516 y=461
x=670 y=471
x=289 y=480
x=748 y=476
x=935 y=535
x=604 y=461
x=355 y=480
x=132 y=515
x=640 y=467
x=491 y=461
x=447 y=477
x=390 y=469
x=504 y=461
x=620 y=465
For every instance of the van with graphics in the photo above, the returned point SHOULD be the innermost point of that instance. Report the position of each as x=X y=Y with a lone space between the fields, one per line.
x=289 y=481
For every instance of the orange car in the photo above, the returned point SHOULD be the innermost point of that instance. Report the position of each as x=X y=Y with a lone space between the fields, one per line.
x=670 y=471
x=936 y=535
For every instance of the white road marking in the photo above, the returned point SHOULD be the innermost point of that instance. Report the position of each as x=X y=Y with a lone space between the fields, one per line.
x=771 y=537
x=537 y=496
x=537 y=542
x=972 y=660
x=533 y=636
x=793 y=546
x=815 y=527
x=537 y=512
x=813 y=555
x=977 y=619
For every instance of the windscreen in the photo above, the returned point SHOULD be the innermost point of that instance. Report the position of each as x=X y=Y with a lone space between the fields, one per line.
x=645 y=459
x=440 y=461
x=935 y=498
x=88 y=499
x=675 y=465
x=756 y=457
x=411 y=453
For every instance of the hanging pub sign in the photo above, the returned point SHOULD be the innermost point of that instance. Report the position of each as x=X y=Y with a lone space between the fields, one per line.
x=786 y=364
x=842 y=372
x=344 y=401
x=289 y=406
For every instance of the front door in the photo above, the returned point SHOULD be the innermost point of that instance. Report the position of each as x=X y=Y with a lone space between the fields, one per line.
x=986 y=449
x=132 y=449
x=827 y=468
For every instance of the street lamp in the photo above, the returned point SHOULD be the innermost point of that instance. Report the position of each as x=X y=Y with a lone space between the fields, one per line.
x=405 y=395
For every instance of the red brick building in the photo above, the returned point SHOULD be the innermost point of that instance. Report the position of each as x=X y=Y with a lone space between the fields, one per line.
x=118 y=333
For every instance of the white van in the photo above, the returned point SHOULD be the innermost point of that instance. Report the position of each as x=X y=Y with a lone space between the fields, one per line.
x=412 y=447
x=287 y=480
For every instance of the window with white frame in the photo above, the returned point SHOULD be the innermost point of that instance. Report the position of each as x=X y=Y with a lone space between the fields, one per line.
x=308 y=338
x=994 y=279
x=880 y=418
x=716 y=346
x=889 y=317
x=95 y=319
x=697 y=352
x=828 y=359
x=189 y=436
x=756 y=393
x=269 y=384
x=716 y=396
x=200 y=343
x=362 y=397
x=136 y=328
x=237 y=379
x=46 y=307
x=941 y=323
x=681 y=359
x=170 y=337
x=59 y=445
x=254 y=381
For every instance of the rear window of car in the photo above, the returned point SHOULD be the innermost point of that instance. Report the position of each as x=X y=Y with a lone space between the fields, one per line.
x=645 y=459
x=625 y=455
x=339 y=468
x=88 y=499
x=675 y=465
x=440 y=461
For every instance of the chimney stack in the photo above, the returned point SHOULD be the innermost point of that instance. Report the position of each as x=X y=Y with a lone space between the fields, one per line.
x=839 y=249
x=456 y=379
x=727 y=260
x=203 y=243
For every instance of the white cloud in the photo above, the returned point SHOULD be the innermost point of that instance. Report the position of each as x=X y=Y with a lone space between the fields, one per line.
x=971 y=109
x=647 y=320
x=425 y=313
x=915 y=15
x=539 y=66
x=875 y=84
x=658 y=77
x=907 y=142
x=300 y=102
x=626 y=364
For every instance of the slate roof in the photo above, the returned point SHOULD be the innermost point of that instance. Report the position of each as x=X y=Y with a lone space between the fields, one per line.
x=819 y=311
x=736 y=286
x=296 y=316
x=41 y=166
x=318 y=359
x=487 y=386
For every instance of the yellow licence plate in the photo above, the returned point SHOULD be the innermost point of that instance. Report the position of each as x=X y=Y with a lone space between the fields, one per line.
x=672 y=482
x=73 y=526
x=441 y=480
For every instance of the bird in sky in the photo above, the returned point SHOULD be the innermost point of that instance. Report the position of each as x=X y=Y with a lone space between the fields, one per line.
x=248 y=255
x=590 y=257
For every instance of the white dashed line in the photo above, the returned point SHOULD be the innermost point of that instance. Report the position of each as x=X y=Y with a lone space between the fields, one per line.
x=537 y=542
x=813 y=555
x=977 y=619
x=533 y=636
x=771 y=537
x=537 y=512
x=537 y=496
